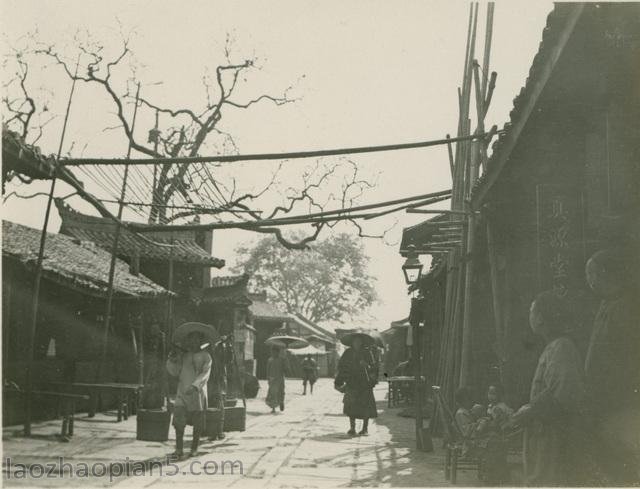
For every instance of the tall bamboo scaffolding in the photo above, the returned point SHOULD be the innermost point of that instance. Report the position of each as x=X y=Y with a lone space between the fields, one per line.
x=38 y=275
x=466 y=161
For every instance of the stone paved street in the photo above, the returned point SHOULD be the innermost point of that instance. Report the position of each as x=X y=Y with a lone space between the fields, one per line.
x=305 y=446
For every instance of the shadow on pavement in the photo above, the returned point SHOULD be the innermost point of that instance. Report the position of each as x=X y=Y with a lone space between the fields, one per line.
x=401 y=464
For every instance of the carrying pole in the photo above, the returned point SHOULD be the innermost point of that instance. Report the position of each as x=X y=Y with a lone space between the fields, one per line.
x=38 y=277
x=114 y=251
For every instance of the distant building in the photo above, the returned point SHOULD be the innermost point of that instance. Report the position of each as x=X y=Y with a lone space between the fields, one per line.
x=225 y=304
x=266 y=318
x=320 y=338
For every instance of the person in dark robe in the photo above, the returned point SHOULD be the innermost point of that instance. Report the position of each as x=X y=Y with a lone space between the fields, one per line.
x=277 y=368
x=553 y=419
x=309 y=374
x=612 y=366
x=356 y=377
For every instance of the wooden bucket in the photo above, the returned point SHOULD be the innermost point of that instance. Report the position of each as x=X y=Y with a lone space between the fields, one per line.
x=235 y=418
x=153 y=424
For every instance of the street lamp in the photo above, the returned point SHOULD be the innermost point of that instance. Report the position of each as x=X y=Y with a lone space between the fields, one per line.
x=412 y=267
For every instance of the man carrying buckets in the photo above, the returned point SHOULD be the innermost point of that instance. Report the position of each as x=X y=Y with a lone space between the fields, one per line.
x=190 y=362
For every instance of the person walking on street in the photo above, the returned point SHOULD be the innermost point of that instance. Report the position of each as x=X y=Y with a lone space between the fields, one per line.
x=193 y=368
x=309 y=374
x=276 y=370
x=357 y=375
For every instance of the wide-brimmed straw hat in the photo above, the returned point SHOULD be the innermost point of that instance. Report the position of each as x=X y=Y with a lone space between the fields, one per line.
x=369 y=337
x=286 y=341
x=209 y=332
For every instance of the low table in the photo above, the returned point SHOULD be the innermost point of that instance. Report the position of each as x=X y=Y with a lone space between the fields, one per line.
x=401 y=387
x=65 y=406
x=123 y=391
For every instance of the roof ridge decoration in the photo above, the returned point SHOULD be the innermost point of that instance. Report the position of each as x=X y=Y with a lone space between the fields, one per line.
x=100 y=230
x=229 y=280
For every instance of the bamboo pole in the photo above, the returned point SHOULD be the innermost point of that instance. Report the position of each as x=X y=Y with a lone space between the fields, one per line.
x=475 y=157
x=450 y=153
x=495 y=293
x=38 y=273
x=292 y=155
x=114 y=252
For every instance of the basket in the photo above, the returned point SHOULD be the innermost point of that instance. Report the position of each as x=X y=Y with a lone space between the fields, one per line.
x=153 y=424
x=235 y=418
x=212 y=422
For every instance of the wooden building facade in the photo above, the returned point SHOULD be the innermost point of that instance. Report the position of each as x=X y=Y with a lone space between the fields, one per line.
x=561 y=183
x=70 y=328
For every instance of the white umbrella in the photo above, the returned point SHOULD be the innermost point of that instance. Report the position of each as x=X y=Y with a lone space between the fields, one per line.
x=309 y=350
x=286 y=341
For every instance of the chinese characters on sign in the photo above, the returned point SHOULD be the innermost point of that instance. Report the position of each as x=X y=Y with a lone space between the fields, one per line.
x=558 y=238
x=558 y=220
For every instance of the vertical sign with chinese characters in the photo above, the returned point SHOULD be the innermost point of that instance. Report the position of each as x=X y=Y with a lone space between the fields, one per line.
x=560 y=238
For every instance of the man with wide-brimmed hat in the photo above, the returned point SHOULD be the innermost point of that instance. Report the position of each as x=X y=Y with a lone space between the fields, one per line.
x=192 y=366
x=356 y=377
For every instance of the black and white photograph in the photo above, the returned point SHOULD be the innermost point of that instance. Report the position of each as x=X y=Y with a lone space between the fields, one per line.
x=298 y=244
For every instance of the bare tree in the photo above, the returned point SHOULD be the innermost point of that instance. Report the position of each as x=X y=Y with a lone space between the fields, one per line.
x=186 y=134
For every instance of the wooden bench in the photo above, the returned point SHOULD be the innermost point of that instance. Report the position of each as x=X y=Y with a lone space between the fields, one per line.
x=123 y=391
x=65 y=406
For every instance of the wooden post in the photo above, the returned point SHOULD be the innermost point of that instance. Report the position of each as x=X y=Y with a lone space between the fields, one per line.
x=114 y=252
x=38 y=275
x=416 y=353
x=169 y=320
x=141 y=352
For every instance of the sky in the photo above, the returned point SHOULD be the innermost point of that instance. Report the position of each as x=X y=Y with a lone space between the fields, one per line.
x=361 y=73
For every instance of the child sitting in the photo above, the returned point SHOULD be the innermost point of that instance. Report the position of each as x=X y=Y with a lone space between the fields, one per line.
x=464 y=416
x=497 y=414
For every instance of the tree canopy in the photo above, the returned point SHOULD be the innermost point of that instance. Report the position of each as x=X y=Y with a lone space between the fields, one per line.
x=327 y=281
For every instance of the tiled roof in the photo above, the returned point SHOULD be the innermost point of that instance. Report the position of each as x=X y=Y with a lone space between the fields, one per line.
x=261 y=309
x=157 y=246
x=73 y=263
x=421 y=234
x=232 y=290
x=402 y=323
x=315 y=330
x=560 y=23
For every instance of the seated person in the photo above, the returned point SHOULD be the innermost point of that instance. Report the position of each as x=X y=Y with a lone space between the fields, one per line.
x=498 y=412
x=498 y=409
x=464 y=416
